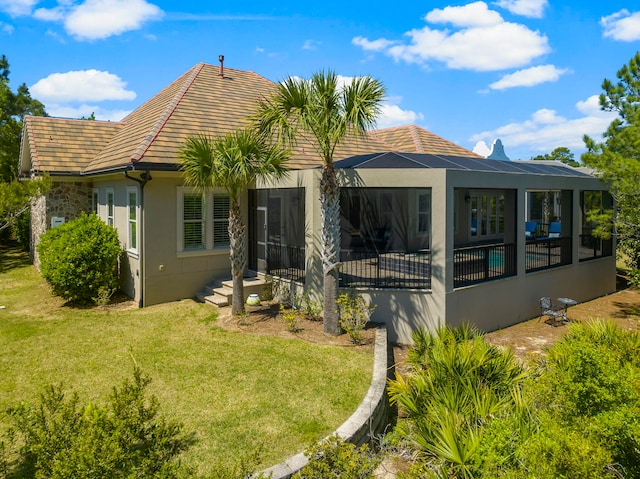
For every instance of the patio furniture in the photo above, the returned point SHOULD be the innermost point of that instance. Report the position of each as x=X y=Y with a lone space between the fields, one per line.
x=566 y=302
x=554 y=231
x=547 y=308
x=530 y=228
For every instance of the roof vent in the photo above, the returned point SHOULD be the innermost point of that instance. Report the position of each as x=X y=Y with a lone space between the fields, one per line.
x=221 y=59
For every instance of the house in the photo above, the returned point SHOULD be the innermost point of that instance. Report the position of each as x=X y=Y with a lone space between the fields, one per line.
x=431 y=232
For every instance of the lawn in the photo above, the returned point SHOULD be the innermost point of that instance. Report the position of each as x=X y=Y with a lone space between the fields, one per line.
x=235 y=391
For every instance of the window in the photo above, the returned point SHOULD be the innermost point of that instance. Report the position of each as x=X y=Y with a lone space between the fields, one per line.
x=423 y=209
x=487 y=215
x=110 y=206
x=95 y=200
x=221 y=221
x=203 y=220
x=193 y=221
x=132 y=205
x=593 y=244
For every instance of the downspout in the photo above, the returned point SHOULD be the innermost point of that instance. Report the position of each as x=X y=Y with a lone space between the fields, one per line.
x=145 y=177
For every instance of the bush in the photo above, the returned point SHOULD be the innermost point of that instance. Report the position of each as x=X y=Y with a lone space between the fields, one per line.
x=79 y=259
x=289 y=318
x=469 y=409
x=457 y=386
x=334 y=458
x=125 y=438
x=354 y=315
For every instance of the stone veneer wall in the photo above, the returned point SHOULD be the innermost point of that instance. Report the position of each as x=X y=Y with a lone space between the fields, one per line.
x=64 y=199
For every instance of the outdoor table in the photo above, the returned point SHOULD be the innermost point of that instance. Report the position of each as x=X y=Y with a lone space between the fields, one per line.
x=566 y=302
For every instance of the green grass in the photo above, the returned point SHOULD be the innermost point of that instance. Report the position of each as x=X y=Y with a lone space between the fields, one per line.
x=235 y=391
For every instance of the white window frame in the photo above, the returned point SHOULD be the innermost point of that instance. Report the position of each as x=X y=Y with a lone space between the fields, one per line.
x=110 y=210
x=215 y=220
x=132 y=223
x=207 y=218
x=95 y=200
x=489 y=215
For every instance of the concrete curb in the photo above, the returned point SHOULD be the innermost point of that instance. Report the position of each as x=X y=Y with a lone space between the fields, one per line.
x=369 y=419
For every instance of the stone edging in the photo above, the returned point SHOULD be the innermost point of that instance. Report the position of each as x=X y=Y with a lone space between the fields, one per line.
x=369 y=418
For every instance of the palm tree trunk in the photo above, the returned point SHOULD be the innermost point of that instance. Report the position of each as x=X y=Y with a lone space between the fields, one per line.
x=330 y=203
x=237 y=255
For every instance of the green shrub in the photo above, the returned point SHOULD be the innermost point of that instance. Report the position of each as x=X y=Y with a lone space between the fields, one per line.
x=311 y=307
x=79 y=259
x=468 y=410
x=354 y=314
x=126 y=438
x=289 y=318
x=335 y=458
x=458 y=384
x=591 y=381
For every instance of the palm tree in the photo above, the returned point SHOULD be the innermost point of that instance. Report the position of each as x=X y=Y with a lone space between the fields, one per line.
x=323 y=112
x=233 y=162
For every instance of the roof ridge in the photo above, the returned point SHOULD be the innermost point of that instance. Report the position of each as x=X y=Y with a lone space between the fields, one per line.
x=166 y=114
x=35 y=159
x=416 y=138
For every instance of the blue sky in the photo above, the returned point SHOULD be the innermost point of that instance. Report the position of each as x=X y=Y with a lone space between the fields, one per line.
x=525 y=71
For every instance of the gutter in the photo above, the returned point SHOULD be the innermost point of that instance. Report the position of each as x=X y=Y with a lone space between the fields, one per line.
x=134 y=166
x=145 y=177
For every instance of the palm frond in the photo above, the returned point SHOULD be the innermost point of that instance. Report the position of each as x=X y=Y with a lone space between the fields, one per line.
x=197 y=162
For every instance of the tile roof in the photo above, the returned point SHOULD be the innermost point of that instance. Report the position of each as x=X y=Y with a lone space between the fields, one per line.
x=63 y=146
x=413 y=139
x=199 y=101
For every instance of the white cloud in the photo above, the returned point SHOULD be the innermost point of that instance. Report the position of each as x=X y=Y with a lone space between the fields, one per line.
x=545 y=130
x=84 y=110
x=310 y=45
x=526 y=8
x=98 y=19
x=392 y=115
x=16 y=8
x=375 y=45
x=481 y=149
x=50 y=14
x=84 y=85
x=623 y=26
x=475 y=14
x=7 y=28
x=529 y=77
x=479 y=43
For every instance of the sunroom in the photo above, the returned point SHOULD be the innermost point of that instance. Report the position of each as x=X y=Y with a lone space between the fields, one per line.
x=434 y=240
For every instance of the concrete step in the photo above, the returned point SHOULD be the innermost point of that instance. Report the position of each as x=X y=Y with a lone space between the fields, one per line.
x=220 y=292
x=215 y=300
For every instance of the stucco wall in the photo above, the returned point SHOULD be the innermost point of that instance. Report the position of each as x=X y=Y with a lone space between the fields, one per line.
x=168 y=273
x=498 y=304
x=130 y=260
x=489 y=305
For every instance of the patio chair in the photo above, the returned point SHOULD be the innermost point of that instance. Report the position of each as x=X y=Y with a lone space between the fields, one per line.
x=554 y=231
x=552 y=311
x=530 y=228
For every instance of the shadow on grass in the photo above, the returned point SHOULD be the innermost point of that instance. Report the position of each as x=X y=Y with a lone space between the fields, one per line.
x=12 y=256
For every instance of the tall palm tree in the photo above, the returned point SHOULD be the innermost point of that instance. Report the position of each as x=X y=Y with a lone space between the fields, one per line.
x=233 y=161
x=323 y=112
